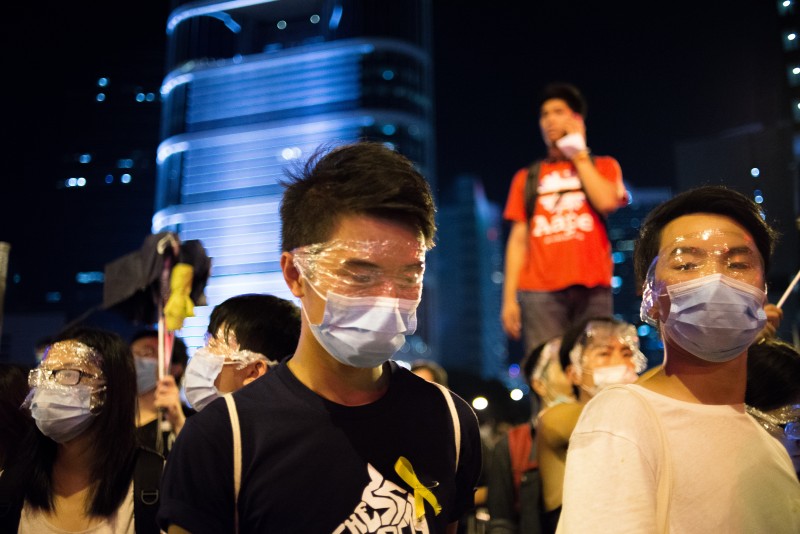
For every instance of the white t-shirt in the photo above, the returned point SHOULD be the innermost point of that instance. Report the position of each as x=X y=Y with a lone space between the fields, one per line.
x=34 y=521
x=728 y=474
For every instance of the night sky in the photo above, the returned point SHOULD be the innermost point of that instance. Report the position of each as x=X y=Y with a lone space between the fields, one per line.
x=676 y=72
x=672 y=72
x=651 y=79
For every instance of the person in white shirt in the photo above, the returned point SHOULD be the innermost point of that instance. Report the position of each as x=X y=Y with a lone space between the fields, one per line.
x=678 y=452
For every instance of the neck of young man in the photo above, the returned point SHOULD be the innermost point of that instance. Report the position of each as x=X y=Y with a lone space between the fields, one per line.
x=554 y=154
x=343 y=384
x=688 y=378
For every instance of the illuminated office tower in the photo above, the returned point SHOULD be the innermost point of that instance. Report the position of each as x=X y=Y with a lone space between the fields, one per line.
x=470 y=237
x=255 y=86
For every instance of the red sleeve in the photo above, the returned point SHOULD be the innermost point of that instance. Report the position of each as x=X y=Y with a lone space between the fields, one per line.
x=609 y=169
x=515 y=204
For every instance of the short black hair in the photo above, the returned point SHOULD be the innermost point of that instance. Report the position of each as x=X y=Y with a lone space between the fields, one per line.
x=261 y=323
x=715 y=199
x=773 y=375
x=366 y=178
x=566 y=92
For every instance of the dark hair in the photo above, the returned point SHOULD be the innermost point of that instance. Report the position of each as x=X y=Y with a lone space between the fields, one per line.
x=716 y=199
x=576 y=335
x=529 y=361
x=262 y=323
x=113 y=440
x=180 y=353
x=527 y=364
x=773 y=375
x=360 y=178
x=14 y=421
x=438 y=372
x=566 y=92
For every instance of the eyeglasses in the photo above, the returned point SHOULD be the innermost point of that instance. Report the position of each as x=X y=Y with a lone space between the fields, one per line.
x=62 y=377
x=787 y=421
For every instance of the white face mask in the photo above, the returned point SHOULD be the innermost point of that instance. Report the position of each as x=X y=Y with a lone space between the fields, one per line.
x=609 y=376
x=146 y=374
x=715 y=317
x=201 y=373
x=364 y=331
x=62 y=413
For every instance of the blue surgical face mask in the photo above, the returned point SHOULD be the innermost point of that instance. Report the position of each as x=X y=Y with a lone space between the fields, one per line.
x=715 y=317
x=62 y=413
x=201 y=373
x=146 y=374
x=364 y=331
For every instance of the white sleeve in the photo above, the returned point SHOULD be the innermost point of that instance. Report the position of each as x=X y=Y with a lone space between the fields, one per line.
x=610 y=484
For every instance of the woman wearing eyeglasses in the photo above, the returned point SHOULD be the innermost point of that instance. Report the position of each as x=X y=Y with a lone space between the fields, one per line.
x=82 y=453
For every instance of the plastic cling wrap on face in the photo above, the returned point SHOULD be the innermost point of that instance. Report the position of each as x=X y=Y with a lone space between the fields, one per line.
x=364 y=268
x=691 y=256
x=603 y=333
x=783 y=422
x=67 y=365
x=225 y=344
x=548 y=356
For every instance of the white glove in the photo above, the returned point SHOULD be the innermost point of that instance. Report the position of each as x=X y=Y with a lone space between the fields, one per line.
x=571 y=144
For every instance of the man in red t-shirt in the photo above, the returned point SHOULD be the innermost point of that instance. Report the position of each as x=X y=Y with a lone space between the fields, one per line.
x=558 y=260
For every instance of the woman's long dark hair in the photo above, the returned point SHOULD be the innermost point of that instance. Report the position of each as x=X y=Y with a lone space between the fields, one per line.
x=113 y=443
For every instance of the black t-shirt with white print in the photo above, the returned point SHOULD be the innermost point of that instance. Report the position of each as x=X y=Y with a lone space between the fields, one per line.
x=310 y=465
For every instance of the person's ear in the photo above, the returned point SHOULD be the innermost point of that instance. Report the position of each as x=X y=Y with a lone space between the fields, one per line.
x=573 y=375
x=255 y=370
x=539 y=387
x=291 y=275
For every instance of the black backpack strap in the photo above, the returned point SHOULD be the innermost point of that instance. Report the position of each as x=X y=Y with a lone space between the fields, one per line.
x=532 y=189
x=146 y=490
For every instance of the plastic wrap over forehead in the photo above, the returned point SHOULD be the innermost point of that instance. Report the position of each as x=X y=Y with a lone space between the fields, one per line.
x=548 y=356
x=73 y=356
x=74 y=352
x=217 y=345
x=364 y=268
x=603 y=333
x=687 y=257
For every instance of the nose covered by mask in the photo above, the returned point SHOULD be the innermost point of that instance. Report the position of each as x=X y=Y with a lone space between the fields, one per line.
x=62 y=413
x=146 y=374
x=715 y=317
x=364 y=331
x=201 y=373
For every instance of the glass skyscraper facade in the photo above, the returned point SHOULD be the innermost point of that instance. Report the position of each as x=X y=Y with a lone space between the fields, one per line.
x=255 y=86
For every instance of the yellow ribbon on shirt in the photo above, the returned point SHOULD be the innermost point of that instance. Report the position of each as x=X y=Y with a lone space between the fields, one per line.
x=421 y=493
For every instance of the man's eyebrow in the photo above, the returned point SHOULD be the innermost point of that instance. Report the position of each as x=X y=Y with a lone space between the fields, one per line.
x=685 y=249
x=366 y=264
x=360 y=263
x=742 y=249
